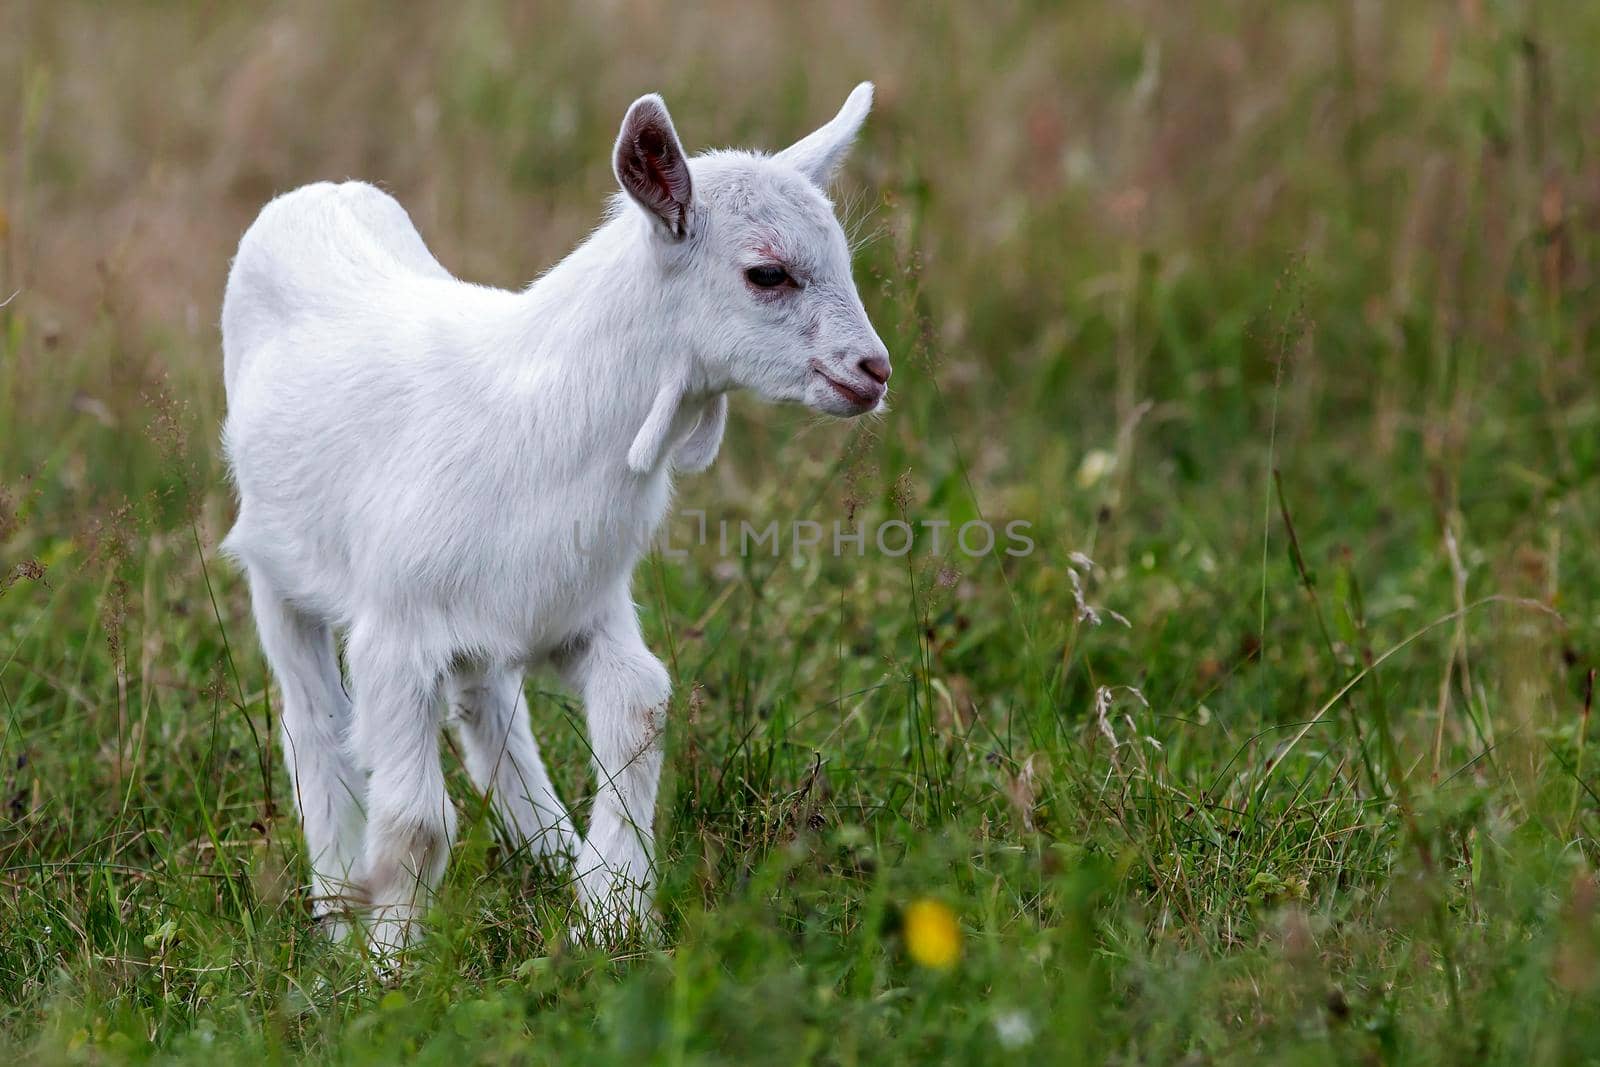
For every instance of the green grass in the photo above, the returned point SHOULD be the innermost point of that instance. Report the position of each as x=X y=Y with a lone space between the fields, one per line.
x=1282 y=314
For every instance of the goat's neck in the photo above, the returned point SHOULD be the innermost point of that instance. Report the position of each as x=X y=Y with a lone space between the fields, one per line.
x=603 y=340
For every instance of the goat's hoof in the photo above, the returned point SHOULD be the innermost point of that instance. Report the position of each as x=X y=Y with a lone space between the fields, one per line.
x=336 y=926
x=335 y=917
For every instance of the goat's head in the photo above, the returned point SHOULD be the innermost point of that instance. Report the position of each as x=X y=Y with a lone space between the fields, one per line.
x=750 y=251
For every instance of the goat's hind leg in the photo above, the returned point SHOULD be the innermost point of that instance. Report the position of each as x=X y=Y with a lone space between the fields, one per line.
x=489 y=717
x=315 y=717
x=410 y=822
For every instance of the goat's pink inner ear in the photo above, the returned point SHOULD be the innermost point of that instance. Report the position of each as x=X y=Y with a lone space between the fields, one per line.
x=651 y=167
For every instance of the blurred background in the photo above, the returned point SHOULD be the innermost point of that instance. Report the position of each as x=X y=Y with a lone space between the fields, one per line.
x=1283 y=313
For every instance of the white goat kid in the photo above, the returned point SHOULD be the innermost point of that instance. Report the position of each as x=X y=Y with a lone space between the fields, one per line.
x=462 y=479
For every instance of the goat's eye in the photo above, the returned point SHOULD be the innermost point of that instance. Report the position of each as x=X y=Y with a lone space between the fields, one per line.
x=768 y=276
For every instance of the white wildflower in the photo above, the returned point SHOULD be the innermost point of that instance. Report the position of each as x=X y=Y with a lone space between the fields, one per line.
x=1013 y=1029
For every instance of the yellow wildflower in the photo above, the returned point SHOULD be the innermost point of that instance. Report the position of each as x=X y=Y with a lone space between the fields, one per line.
x=933 y=937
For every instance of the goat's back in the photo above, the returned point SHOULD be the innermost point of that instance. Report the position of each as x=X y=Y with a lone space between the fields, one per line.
x=307 y=252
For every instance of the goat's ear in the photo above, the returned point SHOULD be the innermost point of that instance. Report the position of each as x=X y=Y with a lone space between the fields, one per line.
x=650 y=164
x=819 y=154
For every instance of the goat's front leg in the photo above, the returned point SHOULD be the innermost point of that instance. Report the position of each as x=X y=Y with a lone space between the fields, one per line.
x=410 y=822
x=625 y=690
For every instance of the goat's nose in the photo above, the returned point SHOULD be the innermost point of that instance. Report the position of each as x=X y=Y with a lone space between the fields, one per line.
x=876 y=367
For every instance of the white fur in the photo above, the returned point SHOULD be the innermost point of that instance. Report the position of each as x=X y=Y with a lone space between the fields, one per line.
x=461 y=480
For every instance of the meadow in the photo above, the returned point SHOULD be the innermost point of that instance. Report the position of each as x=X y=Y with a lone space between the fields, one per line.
x=1275 y=322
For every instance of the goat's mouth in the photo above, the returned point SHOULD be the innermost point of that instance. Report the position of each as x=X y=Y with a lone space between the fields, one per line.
x=863 y=397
